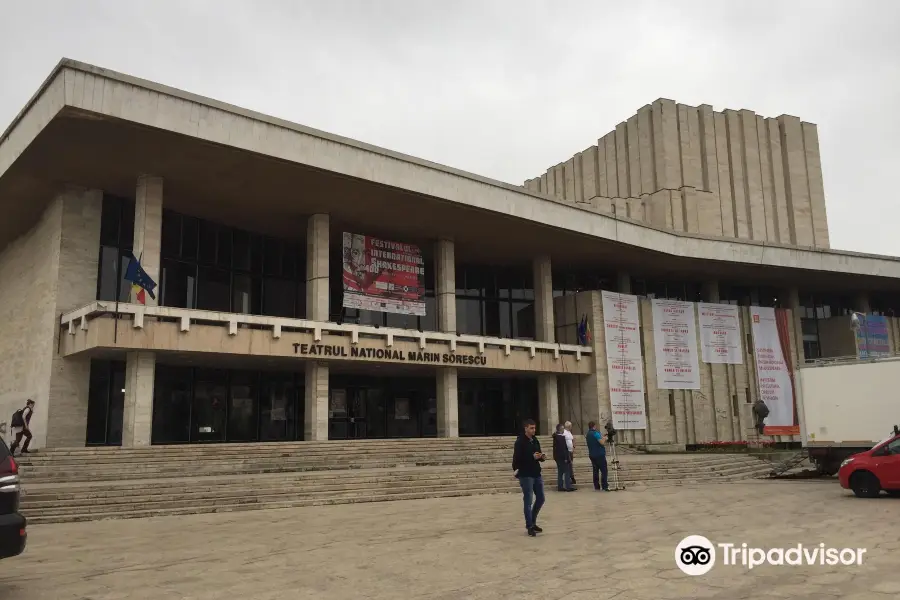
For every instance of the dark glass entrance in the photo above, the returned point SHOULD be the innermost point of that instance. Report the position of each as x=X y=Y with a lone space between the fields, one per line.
x=220 y=405
x=496 y=406
x=380 y=407
x=106 y=401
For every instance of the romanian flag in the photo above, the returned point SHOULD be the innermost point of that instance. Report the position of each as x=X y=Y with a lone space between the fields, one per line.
x=141 y=283
x=584 y=331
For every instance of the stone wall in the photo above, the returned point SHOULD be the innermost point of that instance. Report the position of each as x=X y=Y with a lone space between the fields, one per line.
x=49 y=270
x=718 y=411
x=733 y=173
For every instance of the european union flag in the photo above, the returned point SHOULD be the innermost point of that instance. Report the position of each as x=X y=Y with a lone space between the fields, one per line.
x=138 y=277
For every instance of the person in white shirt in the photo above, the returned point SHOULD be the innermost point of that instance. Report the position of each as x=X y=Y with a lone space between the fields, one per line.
x=570 y=444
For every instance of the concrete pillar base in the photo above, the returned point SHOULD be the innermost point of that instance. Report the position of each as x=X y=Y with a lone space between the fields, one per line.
x=447 y=403
x=137 y=415
x=315 y=424
x=548 y=397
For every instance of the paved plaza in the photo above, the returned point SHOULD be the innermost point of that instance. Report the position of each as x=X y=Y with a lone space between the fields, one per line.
x=594 y=546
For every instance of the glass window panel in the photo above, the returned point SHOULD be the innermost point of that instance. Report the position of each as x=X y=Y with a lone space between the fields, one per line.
x=177 y=284
x=245 y=295
x=371 y=317
x=242 y=251
x=279 y=297
x=523 y=320
x=429 y=321
x=109 y=221
x=277 y=401
x=98 y=402
x=273 y=257
x=172 y=405
x=505 y=320
x=289 y=261
x=108 y=274
x=210 y=396
x=171 y=235
x=126 y=228
x=492 y=318
x=214 y=289
x=116 y=403
x=209 y=234
x=402 y=321
x=223 y=257
x=242 y=407
x=189 y=232
x=124 y=286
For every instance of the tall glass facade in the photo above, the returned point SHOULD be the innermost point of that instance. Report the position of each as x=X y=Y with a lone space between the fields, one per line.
x=362 y=406
x=495 y=302
x=116 y=238
x=106 y=401
x=222 y=405
x=213 y=267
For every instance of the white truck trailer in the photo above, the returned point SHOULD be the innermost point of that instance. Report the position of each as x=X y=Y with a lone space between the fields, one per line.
x=846 y=406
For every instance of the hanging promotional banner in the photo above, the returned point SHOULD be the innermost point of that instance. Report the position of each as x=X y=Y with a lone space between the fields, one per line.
x=624 y=360
x=872 y=337
x=383 y=276
x=771 y=346
x=720 y=334
x=675 y=337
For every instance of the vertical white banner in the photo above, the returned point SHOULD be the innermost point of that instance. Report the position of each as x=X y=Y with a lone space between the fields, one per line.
x=720 y=334
x=624 y=359
x=775 y=385
x=675 y=342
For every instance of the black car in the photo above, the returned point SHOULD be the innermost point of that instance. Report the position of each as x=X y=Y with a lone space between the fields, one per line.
x=12 y=524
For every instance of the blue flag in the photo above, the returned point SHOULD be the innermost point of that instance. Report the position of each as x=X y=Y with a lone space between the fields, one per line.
x=138 y=277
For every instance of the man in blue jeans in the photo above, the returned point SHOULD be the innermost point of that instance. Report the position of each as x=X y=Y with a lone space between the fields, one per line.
x=597 y=452
x=527 y=459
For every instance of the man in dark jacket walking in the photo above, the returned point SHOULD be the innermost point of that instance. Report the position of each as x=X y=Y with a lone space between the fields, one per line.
x=597 y=452
x=563 y=461
x=527 y=459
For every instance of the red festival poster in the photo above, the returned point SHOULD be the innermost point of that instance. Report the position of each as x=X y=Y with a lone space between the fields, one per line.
x=383 y=276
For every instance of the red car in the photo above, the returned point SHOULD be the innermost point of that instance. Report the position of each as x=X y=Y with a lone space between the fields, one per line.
x=870 y=472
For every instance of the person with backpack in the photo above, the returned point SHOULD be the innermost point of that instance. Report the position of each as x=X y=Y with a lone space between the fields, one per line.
x=20 y=425
x=760 y=411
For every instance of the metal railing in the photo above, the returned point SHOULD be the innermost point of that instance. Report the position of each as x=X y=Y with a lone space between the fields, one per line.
x=80 y=319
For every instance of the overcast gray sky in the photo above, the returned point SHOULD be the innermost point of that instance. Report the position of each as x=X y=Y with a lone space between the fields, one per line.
x=507 y=88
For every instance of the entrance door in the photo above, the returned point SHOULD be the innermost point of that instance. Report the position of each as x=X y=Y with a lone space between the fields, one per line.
x=347 y=413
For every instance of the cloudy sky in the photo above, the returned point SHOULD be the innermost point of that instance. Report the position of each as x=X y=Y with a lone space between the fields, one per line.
x=507 y=88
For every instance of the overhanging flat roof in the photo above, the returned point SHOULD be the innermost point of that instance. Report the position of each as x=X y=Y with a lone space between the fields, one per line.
x=99 y=128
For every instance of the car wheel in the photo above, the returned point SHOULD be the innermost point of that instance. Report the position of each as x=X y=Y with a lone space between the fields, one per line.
x=865 y=485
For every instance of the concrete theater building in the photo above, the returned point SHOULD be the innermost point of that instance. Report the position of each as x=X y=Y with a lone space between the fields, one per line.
x=314 y=287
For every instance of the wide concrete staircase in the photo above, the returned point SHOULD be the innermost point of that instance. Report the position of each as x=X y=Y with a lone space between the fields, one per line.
x=83 y=484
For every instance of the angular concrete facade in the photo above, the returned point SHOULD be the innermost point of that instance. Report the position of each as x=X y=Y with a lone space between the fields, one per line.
x=691 y=169
x=688 y=200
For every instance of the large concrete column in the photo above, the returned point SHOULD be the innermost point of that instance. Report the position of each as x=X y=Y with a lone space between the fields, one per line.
x=793 y=303
x=140 y=367
x=148 y=207
x=447 y=391
x=317 y=305
x=52 y=288
x=315 y=423
x=317 y=309
x=137 y=415
x=861 y=303
x=447 y=403
x=720 y=402
x=545 y=331
x=623 y=283
x=445 y=282
x=710 y=291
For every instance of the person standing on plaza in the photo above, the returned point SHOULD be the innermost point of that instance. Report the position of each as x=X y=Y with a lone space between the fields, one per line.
x=562 y=457
x=597 y=453
x=570 y=443
x=21 y=426
x=526 y=463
